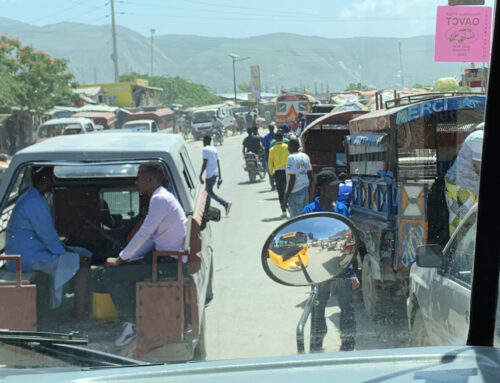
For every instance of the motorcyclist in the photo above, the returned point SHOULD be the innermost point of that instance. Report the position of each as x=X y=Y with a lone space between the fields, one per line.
x=216 y=123
x=217 y=126
x=252 y=143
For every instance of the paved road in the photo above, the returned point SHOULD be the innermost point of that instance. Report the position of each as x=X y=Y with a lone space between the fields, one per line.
x=252 y=316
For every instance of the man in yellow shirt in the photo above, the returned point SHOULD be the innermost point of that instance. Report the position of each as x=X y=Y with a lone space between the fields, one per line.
x=278 y=155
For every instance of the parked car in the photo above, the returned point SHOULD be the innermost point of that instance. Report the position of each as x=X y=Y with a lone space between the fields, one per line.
x=161 y=120
x=440 y=282
x=148 y=126
x=64 y=126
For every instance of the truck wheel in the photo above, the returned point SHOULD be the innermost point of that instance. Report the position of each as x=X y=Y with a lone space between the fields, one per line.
x=200 y=352
x=371 y=296
x=418 y=334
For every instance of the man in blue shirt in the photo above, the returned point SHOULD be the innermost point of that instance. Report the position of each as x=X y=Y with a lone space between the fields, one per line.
x=266 y=142
x=328 y=185
x=31 y=233
x=345 y=190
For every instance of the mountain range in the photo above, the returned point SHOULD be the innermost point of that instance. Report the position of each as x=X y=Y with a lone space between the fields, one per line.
x=286 y=60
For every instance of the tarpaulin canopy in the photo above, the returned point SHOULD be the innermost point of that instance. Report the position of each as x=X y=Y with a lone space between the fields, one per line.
x=350 y=105
x=366 y=139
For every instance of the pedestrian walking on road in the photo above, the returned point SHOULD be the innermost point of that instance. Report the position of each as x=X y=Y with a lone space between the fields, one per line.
x=327 y=201
x=266 y=143
x=278 y=156
x=211 y=164
x=300 y=179
x=248 y=119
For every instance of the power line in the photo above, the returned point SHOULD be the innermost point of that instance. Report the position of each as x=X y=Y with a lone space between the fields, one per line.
x=275 y=18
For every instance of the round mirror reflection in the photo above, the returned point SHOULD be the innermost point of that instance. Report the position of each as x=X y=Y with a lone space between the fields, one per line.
x=310 y=249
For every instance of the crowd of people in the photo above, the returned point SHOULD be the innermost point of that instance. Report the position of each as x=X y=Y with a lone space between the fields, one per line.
x=299 y=192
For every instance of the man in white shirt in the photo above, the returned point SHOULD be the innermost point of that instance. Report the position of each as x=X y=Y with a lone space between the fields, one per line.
x=163 y=229
x=300 y=179
x=211 y=165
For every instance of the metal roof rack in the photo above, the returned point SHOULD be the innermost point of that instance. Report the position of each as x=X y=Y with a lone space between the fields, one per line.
x=414 y=98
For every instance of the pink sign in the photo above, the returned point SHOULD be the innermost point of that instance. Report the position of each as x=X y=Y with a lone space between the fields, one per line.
x=463 y=34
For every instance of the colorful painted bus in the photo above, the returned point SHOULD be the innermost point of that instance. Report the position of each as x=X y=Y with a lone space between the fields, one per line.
x=288 y=107
x=290 y=251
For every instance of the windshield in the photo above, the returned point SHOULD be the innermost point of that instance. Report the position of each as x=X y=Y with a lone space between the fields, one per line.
x=48 y=131
x=203 y=116
x=139 y=127
x=96 y=171
x=161 y=262
x=72 y=129
x=295 y=238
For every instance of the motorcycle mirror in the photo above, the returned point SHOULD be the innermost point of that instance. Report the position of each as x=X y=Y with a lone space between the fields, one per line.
x=310 y=249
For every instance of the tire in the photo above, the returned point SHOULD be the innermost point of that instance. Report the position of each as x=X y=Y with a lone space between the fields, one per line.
x=210 y=290
x=418 y=334
x=371 y=295
x=262 y=173
x=252 y=175
x=200 y=352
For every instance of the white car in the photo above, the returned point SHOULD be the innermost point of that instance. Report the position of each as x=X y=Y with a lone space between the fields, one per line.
x=64 y=126
x=148 y=126
x=440 y=284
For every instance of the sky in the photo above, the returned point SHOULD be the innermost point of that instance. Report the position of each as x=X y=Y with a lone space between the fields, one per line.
x=240 y=18
x=321 y=227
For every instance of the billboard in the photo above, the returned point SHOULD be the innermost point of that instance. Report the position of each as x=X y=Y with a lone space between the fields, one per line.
x=255 y=80
x=463 y=34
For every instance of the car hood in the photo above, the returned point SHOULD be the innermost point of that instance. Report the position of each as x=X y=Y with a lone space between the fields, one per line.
x=471 y=364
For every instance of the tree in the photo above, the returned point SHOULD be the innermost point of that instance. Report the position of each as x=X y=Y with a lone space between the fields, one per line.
x=449 y=84
x=245 y=87
x=176 y=90
x=31 y=79
x=7 y=89
x=357 y=86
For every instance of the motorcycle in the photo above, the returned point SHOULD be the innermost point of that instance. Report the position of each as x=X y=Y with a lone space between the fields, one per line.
x=217 y=136
x=255 y=166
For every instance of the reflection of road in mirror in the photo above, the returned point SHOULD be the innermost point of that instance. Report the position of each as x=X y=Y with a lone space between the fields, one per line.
x=311 y=250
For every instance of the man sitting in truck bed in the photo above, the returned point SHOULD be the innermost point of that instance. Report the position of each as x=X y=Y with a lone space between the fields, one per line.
x=163 y=229
x=31 y=233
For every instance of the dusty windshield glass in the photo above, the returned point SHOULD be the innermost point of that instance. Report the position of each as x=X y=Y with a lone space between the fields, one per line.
x=203 y=116
x=151 y=244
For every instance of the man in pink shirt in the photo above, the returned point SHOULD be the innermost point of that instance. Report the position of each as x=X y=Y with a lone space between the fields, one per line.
x=163 y=229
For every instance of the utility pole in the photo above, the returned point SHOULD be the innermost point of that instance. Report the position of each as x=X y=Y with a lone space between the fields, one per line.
x=401 y=66
x=236 y=58
x=152 y=31
x=114 y=56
